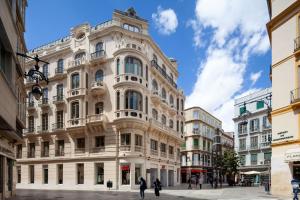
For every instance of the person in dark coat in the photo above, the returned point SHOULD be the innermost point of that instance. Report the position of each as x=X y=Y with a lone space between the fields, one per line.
x=143 y=187
x=157 y=187
x=190 y=183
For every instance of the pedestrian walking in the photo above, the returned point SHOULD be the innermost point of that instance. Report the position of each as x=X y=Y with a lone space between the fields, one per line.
x=157 y=187
x=201 y=181
x=190 y=183
x=143 y=187
x=197 y=181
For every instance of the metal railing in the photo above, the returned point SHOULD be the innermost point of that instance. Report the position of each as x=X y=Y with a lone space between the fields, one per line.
x=43 y=128
x=138 y=148
x=31 y=154
x=98 y=149
x=59 y=70
x=57 y=126
x=43 y=102
x=80 y=150
x=59 y=152
x=97 y=54
x=29 y=130
x=163 y=73
x=58 y=98
x=295 y=95
x=125 y=148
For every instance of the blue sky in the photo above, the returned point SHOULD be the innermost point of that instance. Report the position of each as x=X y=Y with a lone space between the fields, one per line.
x=209 y=42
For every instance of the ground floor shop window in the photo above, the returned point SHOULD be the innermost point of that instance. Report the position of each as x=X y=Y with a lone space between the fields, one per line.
x=18 y=174
x=31 y=173
x=125 y=170
x=45 y=174
x=99 y=170
x=80 y=173
x=138 y=173
x=296 y=172
x=60 y=171
x=10 y=174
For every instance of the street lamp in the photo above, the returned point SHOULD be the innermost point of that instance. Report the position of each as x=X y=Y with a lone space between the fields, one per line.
x=36 y=75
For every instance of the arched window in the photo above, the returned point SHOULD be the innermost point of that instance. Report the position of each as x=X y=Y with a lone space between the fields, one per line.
x=133 y=66
x=171 y=123
x=118 y=66
x=163 y=119
x=154 y=114
x=75 y=110
x=164 y=70
x=99 y=46
x=133 y=100
x=154 y=85
x=163 y=93
x=80 y=55
x=171 y=100
x=118 y=100
x=131 y=28
x=99 y=75
x=99 y=108
x=45 y=70
x=182 y=105
x=75 y=81
x=60 y=66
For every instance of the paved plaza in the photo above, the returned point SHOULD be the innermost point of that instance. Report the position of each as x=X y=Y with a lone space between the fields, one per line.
x=234 y=193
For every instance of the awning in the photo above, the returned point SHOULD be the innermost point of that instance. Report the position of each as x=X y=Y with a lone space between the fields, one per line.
x=251 y=172
x=188 y=170
x=292 y=155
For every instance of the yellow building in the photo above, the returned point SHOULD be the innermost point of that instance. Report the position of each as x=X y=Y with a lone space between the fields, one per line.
x=284 y=33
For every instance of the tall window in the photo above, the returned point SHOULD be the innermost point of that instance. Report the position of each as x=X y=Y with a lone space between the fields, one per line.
x=60 y=148
x=164 y=70
x=118 y=100
x=99 y=108
x=133 y=66
x=45 y=174
x=45 y=94
x=99 y=75
x=99 y=141
x=80 y=173
x=133 y=100
x=242 y=128
x=31 y=123
x=146 y=105
x=171 y=100
x=266 y=123
x=99 y=46
x=154 y=85
x=138 y=140
x=138 y=173
x=60 y=119
x=243 y=144
x=163 y=119
x=153 y=144
x=163 y=148
x=60 y=66
x=154 y=114
x=60 y=172
x=31 y=150
x=253 y=159
x=99 y=173
x=60 y=92
x=163 y=93
x=45 y=70
x=80 y=56
x=75 y=110
x=18 y=174
x=254 y=142
x=45 y=150
x=254 y=125
x=75 y=81
x=171 y=123
x=45 y=122
x=125 y=169
x=125 y=139
x=118 y=66
x=80 y=143
x=243 y=160
x=31 y=174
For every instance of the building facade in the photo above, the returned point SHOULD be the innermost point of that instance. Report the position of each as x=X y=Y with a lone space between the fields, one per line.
x=12 y=107
x=111 y=111
x=196 y=152
x=283 y=29
x=253 y=133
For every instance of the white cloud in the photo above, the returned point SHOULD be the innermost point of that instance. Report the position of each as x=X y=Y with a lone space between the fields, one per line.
x=255 y=76
x=165 y=20
x=238 y=32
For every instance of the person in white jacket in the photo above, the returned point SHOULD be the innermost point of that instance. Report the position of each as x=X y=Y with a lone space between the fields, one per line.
x=201 y=181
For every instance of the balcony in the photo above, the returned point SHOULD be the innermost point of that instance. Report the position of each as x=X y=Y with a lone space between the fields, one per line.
x=77 y=63
x=59 y=99
x=254 y=147
x=164 y=128
x=131 y=79
x=138 y=148
x=98 y=149
x=96 y=122
x=60 y=73
x=28 y=131
x=295 y=98
x=154 y=152
x=43 y=129
x=296 y=44
x=76 y=92
x=196 y=131
x=163 y=154
x=155 y=97
x=79 y=150
x=163 y=73
x=242 y=148
x=98 y=88
x=60 y=126
x=125 y=148
x=195 y=147
x=45 y=153
x=44 y=103
x=31 y=154
x=76 y=122
x=265 y=145
x=172 y=110
x=59 y=153
x=98 y=56
x=31 y=106
x=164 y=104
x=128 y=114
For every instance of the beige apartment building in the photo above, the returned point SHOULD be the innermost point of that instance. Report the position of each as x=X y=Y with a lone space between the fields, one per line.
x=283 y=29
x=202 y=129
x=12 y=90
x=111 y=112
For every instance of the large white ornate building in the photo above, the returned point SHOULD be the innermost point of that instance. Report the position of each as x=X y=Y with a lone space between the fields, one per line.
x=111 y=111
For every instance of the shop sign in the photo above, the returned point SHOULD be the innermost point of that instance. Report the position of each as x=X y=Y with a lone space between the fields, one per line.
x=125 y=167
x=292 y=156
x=283 y=135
